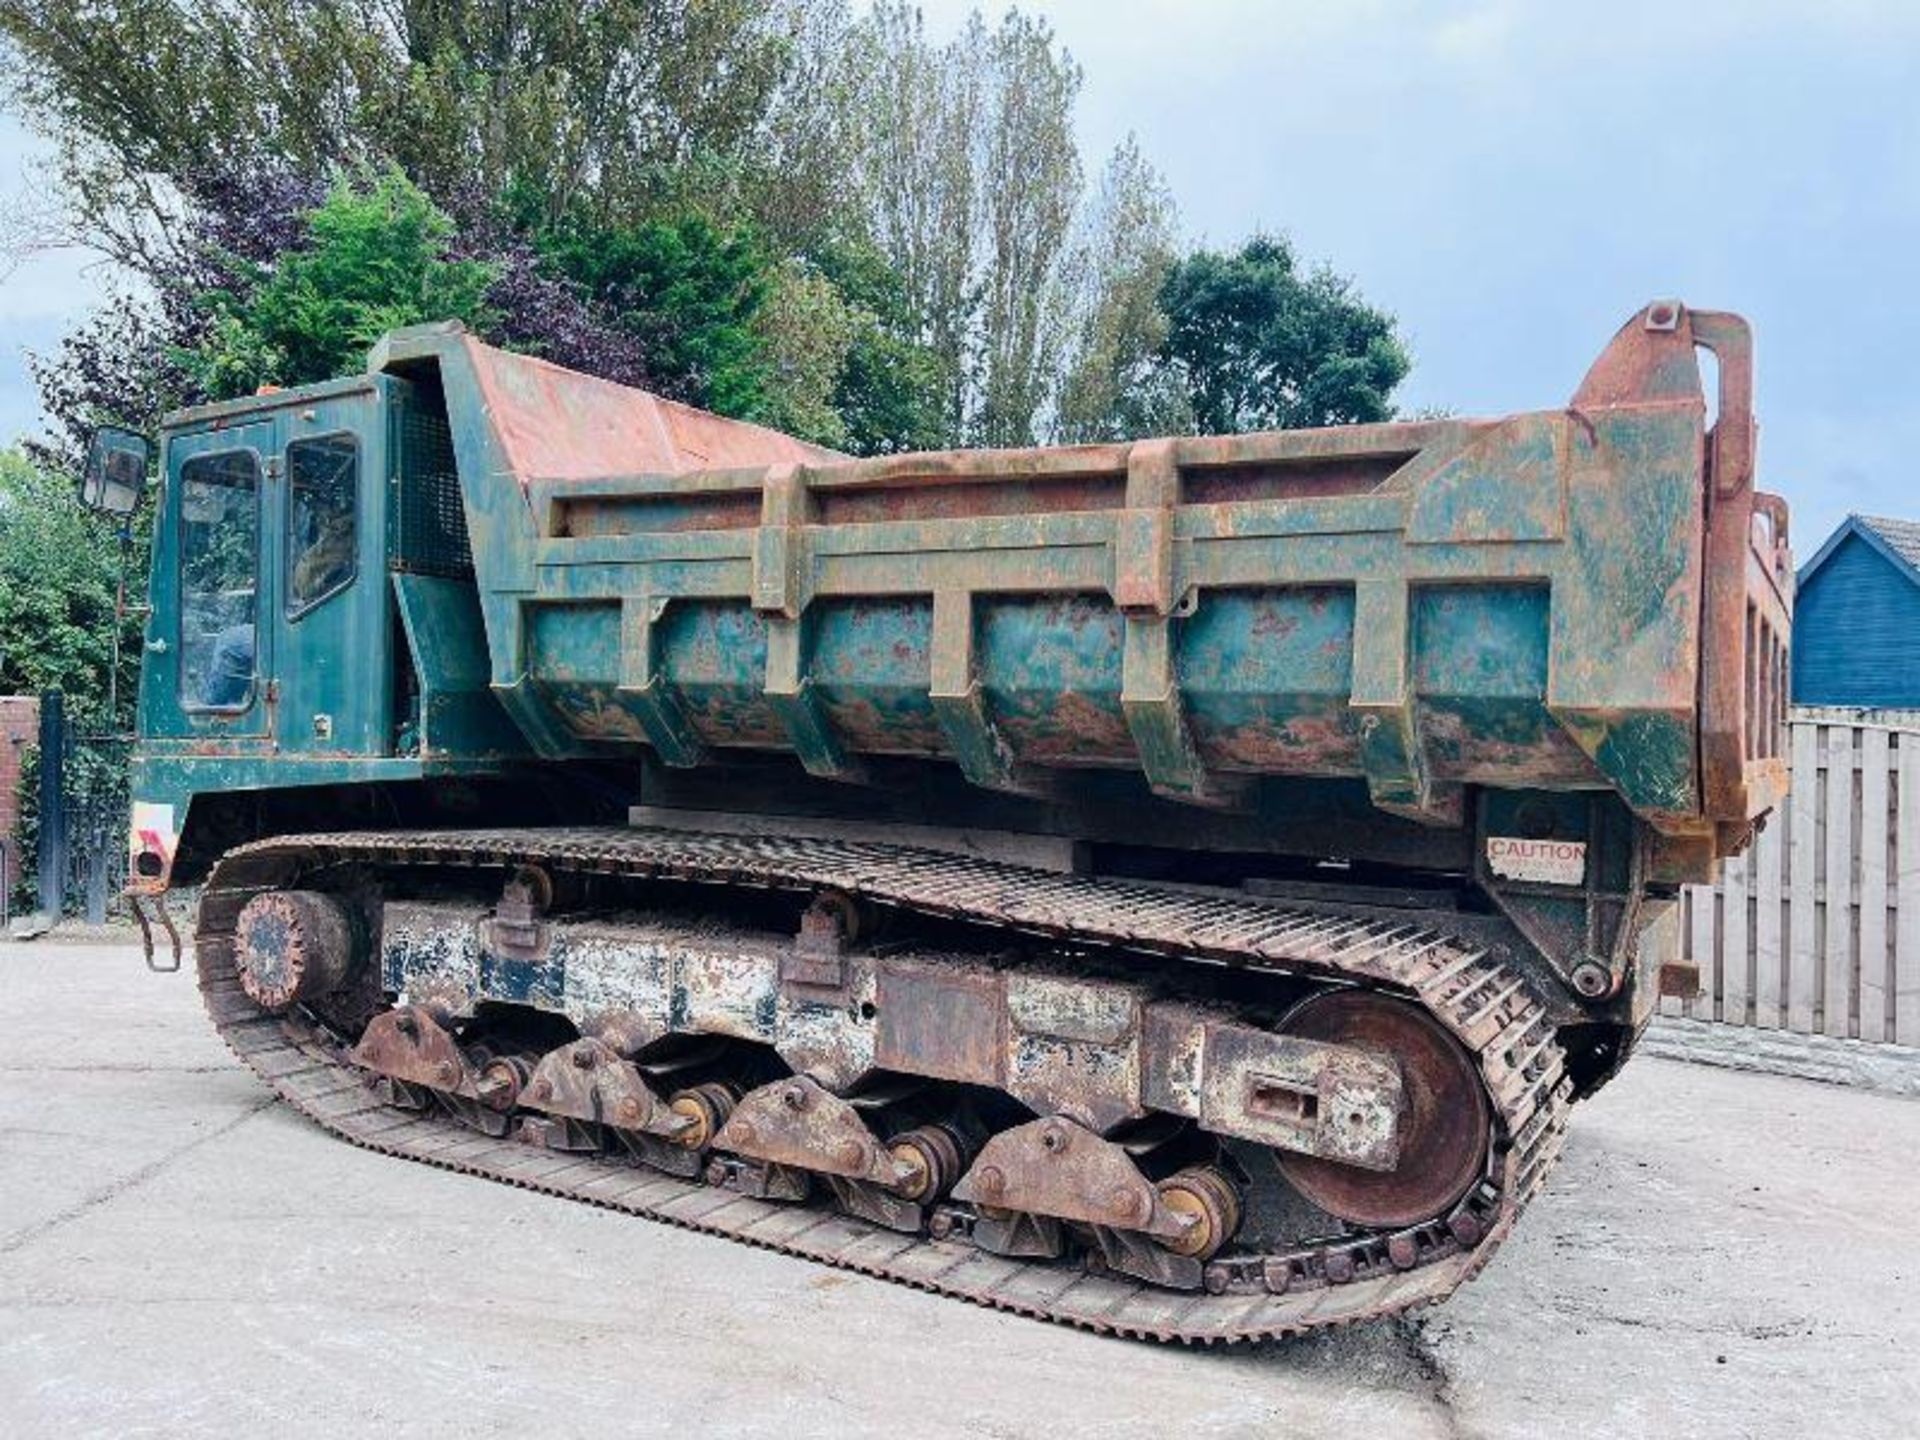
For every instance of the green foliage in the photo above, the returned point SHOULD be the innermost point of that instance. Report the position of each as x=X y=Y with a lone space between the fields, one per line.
x=1256 y=345
x=805 y=331
x=891 y=390
x=594 y=102
x=95 y=780
x=807 y=212
x=970 y=178
x=377 y=257
x=1115 y=386
x=689 y=290
x=59 y=574
x=60 y=567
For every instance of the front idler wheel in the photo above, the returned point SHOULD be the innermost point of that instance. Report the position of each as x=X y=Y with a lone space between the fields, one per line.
x=1445 y=1117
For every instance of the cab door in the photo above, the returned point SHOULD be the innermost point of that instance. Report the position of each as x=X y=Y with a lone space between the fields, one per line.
x=333 y=621
x=215 y=590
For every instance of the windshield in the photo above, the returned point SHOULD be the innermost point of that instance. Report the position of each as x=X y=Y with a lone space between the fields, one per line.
x=219 y=566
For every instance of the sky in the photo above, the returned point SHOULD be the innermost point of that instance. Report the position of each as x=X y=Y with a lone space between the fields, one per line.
x=1512 y=181
x=40 y=295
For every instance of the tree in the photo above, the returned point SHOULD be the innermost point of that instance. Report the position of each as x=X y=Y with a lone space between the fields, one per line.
x=917 y=179
x=1255 y=345
x=119 y=366
x=891 y=390
x=620 y=127
x=971 y=179
x=1031 y=182
x=377 y=256
x=688 y=290
x=59 y=573
x=183 y=337
x=805 y=331
x=591 y=102
x=1114 y=386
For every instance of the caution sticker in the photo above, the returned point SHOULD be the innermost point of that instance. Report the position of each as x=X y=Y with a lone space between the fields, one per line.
x=1546 y=862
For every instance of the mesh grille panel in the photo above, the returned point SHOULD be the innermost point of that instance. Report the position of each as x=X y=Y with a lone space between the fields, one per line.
x=430 y=527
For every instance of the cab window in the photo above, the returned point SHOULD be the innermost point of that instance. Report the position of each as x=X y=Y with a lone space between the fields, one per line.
x=219 y=575
x=322 y=493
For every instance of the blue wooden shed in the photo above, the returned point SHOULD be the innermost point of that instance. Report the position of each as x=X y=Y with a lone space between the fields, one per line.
x=1856 y=618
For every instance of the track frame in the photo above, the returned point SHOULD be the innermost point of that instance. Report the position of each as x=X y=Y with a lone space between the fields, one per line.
x=1490 y=1007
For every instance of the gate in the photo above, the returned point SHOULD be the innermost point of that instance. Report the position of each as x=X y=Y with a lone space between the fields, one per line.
x=1816 y=929
x=73 y=825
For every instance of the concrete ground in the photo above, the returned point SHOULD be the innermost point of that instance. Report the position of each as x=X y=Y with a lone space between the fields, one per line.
x=1719 y=1254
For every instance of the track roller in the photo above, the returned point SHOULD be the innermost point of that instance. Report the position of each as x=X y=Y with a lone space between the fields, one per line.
x=502 y=1079
x=706 y=1108
x=930 y=1159
x=1213 y=1201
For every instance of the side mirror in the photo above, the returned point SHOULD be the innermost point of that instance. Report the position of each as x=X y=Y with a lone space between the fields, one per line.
x=116 y=472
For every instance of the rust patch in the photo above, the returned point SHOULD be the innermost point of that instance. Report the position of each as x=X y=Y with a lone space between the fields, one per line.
x=965 y=501
x=940 y=1022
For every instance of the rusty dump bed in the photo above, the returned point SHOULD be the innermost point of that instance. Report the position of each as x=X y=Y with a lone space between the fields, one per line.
x=1580 y=599
x=1174 y=888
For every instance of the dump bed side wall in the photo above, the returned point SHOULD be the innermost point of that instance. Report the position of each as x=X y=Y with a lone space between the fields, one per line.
x=1419 y=607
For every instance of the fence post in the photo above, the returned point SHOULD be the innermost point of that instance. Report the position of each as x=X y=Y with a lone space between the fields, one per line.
x=97 y=878
x=53 y=805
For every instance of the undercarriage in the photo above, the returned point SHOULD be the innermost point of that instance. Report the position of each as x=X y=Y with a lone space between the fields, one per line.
x=1152 y=1110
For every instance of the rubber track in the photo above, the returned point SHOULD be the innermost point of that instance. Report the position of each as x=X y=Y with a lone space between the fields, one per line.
x=1488 y=1006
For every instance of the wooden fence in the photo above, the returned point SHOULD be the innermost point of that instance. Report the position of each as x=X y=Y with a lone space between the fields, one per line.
x=1817 y=927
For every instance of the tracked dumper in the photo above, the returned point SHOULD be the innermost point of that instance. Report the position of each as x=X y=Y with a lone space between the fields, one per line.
x=1176 y=888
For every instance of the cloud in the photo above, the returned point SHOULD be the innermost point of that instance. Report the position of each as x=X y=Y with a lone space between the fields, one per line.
x=1512 y=180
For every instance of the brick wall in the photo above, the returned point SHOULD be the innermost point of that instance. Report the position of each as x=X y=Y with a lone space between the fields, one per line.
x=19 y=728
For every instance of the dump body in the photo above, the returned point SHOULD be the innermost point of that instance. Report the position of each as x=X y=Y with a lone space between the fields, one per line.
x=1551 y=601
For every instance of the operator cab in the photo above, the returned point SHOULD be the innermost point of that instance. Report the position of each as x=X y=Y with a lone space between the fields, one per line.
x=269 y=617
x=312 y=616
x=283 y=523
